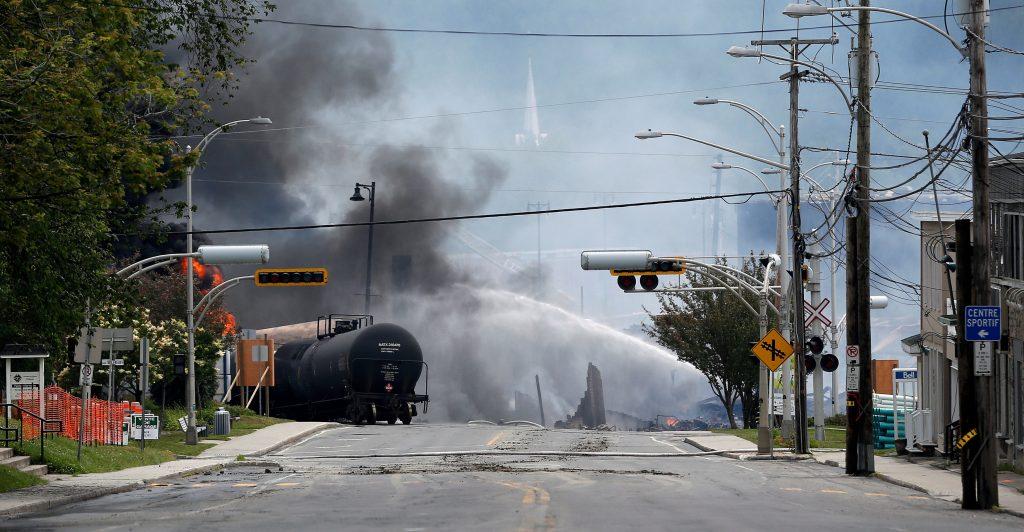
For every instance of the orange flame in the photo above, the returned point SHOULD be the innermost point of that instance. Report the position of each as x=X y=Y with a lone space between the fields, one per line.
x=207 y=275
x=230 y=324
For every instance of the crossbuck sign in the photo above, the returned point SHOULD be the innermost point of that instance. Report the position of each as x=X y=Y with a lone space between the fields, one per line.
x=816 y=313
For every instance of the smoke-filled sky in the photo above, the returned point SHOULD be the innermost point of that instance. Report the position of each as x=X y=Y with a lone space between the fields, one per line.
x=420 y=115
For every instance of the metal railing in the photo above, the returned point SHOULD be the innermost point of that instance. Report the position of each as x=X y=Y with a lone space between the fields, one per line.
x=43 y=431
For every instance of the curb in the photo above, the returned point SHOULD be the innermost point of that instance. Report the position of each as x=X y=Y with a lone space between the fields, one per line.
x=276 y=446
x=96 y=492
x=288 y=441
x=909 y=485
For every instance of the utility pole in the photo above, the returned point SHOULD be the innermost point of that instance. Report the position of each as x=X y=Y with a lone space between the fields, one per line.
x=800 y=434
x=969 y=456
x=860 y=451
x=796 y=297
x=717 y=213
x=816 y=330
x=978 y=461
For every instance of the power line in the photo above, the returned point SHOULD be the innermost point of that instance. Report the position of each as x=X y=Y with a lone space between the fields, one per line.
x=494 y=110
x=510 y=214
x=388 y=29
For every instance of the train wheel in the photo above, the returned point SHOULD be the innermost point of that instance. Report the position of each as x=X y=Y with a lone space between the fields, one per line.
x=353 y=414
x=371 y=414
x=392 y=419
x=405 y=414
x=406 y=419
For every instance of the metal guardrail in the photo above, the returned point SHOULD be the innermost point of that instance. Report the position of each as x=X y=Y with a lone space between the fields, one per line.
x=43 y=431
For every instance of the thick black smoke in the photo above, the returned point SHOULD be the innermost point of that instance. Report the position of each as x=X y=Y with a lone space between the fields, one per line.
x=481 y=344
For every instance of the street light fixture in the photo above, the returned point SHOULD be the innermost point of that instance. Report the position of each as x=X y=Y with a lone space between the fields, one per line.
x=737 y=51
x=727 y=166
x=358 y=196
x=811 y=10
x=191 y=438
x=649 y=134
x=741 y=51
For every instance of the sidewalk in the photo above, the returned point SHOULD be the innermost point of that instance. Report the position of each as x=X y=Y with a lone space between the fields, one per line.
x=712 y=441
x=66 y=489
x=937 y=482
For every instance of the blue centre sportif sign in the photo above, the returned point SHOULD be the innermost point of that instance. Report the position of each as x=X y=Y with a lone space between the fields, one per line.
x=982 y=324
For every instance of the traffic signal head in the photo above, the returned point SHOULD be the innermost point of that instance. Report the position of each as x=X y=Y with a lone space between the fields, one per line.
x=627 y=265
x=815 y=345
x=648 y=282
x=809 y=364
x=805 y=273
x=291 y=277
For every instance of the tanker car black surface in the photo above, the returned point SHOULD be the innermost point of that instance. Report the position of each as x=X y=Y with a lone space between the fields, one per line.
x=352 y=370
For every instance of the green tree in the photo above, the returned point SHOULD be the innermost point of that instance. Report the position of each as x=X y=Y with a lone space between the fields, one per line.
x=712 y=330
x=154 y=310
x=88 y=98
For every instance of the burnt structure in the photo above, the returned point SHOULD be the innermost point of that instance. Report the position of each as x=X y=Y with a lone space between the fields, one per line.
x=590 y=413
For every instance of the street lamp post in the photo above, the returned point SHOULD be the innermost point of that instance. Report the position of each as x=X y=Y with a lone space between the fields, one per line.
x=764 y=439
x=764 y=433
x=357 y=196
x=191 y=438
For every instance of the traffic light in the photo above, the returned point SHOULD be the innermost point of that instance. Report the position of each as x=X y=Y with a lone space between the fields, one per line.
x=809 y=364
x=627 y=265
x=179 y=363
x=291 y=277
x=829 y=362
x=815 y=345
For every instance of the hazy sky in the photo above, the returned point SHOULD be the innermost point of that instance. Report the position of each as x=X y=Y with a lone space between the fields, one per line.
x=595 y=93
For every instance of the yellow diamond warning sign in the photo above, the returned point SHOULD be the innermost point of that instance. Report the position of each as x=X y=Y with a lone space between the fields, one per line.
x=773 y=349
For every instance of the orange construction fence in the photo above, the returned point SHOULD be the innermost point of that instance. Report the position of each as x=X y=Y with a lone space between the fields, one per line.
x=103 y=419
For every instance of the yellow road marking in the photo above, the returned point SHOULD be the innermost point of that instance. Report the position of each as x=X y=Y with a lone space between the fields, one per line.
x=158 y=485
x=199 y=485
x=495 y=439
x=876 y=494
x=832 y=491
x=792 y=489
x=287 y=484
x=244 y=485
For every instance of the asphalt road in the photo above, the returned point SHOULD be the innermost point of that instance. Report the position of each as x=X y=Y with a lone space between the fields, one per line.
x=315 y=488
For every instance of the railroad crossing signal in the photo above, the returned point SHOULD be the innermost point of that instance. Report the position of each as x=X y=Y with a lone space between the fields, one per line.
x=291 y=277
x=816 y=313
x=772 y=350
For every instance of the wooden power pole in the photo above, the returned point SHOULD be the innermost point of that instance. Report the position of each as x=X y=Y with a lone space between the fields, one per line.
x=860 y=451
x=978 y=457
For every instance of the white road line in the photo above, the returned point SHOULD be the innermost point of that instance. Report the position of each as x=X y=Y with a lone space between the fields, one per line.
x=669 y=444
x=316 y=435
x=745 y=467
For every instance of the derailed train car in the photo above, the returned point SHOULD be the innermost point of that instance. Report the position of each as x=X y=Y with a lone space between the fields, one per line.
x=351 y=370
